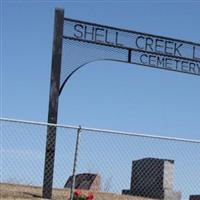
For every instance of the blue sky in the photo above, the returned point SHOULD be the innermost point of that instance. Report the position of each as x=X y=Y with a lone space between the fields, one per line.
x=102 y=94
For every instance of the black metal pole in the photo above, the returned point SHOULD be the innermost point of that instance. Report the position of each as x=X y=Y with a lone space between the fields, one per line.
x=53 y=104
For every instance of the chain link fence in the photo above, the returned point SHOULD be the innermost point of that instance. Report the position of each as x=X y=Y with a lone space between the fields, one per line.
x=107 y=163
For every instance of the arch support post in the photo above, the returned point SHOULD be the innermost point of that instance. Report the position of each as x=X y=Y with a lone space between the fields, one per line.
x=53 y=104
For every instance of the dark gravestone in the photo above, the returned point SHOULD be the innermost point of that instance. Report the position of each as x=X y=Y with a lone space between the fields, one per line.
x=152 y=178
x=194 y=197
x=86 y=181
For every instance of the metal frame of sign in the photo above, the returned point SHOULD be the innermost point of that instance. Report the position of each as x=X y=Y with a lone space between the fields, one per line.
x=155 y=45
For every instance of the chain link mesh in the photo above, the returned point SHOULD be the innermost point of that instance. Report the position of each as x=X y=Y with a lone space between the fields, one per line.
x=140 y=166
x=109 y=163
x=23 y=153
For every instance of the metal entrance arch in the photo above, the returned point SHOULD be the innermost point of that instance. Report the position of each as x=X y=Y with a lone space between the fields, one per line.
x=77 y=43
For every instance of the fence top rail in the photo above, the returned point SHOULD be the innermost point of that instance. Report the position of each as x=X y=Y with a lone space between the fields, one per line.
x=153 y=136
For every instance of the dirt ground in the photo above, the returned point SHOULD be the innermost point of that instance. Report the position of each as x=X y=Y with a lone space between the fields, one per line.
x=24 y=192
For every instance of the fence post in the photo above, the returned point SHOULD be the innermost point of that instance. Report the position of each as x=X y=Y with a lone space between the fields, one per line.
x=75 y=163
x=53 y=103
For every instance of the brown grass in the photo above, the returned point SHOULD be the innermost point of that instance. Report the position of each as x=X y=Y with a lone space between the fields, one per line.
x=24 y=192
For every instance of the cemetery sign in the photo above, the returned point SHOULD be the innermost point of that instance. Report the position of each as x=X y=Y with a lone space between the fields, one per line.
x=144 y=49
